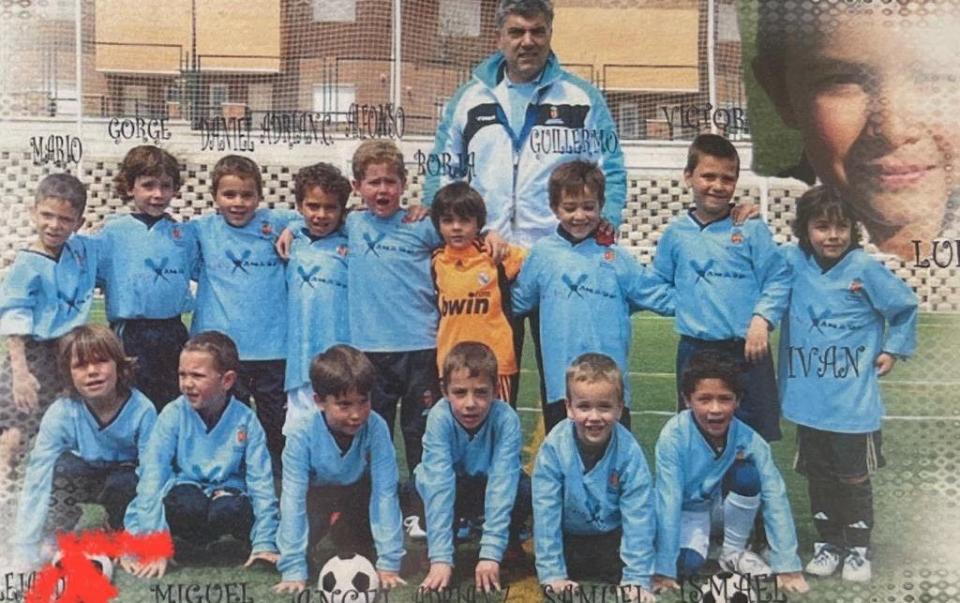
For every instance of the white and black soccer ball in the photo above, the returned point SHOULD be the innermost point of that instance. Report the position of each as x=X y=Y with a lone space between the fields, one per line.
x=728 y=587
x=348 y=578
x=101 y=562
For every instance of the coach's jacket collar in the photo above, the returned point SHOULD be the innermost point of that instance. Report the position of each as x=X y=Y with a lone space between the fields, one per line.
x=490 y=70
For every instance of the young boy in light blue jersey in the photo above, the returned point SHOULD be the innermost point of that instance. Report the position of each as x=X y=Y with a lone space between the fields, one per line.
x=88 y=444
x=316 y=282
x=471 y=468
x=146 y=264
x=734 y=281
x=713 y=470
x=586 y=291
x=242 y=288
x=392 y=301
x=206 y=471
x=46 y=292
x=850 y=318
x=340 y=462
x=594 y=517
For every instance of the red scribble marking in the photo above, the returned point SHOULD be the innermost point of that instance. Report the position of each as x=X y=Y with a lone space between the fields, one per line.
x=84 y=584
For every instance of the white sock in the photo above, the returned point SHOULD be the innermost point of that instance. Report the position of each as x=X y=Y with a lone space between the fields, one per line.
x=739 y=512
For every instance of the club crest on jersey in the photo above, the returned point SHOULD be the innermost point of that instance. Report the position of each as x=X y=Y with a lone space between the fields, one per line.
x=342 y=250
x=856 y=285
x=241 y=435
x=736 y=238
x=554 y=119
x=266 y=229
x=614 y=480
x=176 y=233
x=608 y=255
x=483 y=278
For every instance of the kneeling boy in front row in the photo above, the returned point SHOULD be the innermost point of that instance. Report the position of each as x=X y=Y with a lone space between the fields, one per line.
x=333 y=462
x=594 y=518
x=206 y=471
x=713 y=469
x=471 y=468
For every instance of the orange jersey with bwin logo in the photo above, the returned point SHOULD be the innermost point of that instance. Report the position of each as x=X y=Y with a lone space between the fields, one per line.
x=473 y=299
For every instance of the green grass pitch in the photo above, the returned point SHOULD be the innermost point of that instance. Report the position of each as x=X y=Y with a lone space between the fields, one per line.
x=917 y=535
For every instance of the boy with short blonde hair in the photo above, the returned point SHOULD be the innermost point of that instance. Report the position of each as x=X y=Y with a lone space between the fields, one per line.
x=389 y=270
x=594 y=517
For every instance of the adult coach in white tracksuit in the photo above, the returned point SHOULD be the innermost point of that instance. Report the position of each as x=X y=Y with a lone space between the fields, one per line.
x=518 y=118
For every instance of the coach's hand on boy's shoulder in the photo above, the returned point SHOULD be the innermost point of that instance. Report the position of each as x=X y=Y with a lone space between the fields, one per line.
x=495 y=246
x=743 y=211
x=606 y=233
x=438 y=578
x=290 y=586
x=663 y=584
x=792 y=582
x=270 y=557
x=389 y=579
x=487 y=575
x=757 y=345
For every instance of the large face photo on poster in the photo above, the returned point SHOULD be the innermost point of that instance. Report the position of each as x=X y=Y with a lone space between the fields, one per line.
x=378 y=205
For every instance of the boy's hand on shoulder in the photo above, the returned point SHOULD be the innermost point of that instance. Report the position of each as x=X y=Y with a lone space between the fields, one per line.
x=663 y=584
x=757 y=345
x=743 y=211
x=389 y=580
x=270 y=557
x=283 y=244
x=487 y=575
x=792 y=582
x=416 y=213
x=290 y=586
x=884 y=363
x=438 y=577
x=495 y=246
x=606 y=233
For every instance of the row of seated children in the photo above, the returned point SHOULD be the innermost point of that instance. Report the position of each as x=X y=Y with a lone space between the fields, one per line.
x=204 y=469
x=712 y=178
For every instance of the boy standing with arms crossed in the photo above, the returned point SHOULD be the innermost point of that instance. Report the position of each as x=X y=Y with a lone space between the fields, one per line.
x=735 y=282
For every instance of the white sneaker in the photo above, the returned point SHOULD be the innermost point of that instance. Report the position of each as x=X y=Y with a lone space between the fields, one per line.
x=856 y=566
x=826 y=560
x=744 y=562
x=412 y=526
